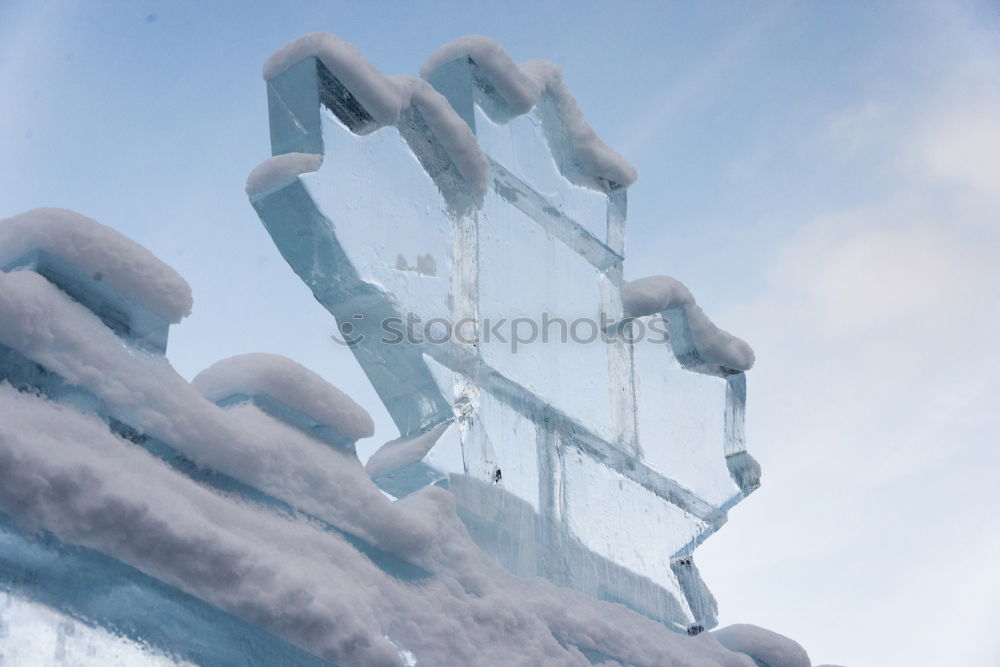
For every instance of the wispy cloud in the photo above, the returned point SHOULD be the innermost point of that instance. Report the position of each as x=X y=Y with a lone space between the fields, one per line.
x=696 y=81
x=873 y=402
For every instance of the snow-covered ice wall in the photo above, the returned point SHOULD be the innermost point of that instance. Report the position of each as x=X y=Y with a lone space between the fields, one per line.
x=145 y=519
x=479 y=195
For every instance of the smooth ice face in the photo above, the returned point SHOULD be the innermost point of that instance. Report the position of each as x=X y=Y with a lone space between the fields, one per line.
x=411 y=262
x=520 y=147
x=470 y=244
x=681 y=420
x=525 y=273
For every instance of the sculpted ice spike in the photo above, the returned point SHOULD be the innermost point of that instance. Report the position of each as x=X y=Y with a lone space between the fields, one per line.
x=466 y=230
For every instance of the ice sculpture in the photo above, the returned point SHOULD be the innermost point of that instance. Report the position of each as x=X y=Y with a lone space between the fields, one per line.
x=228 y=520
x=422 y=212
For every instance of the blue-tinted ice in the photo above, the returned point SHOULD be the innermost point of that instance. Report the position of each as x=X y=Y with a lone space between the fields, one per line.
x=228 y=520
x=600 y=465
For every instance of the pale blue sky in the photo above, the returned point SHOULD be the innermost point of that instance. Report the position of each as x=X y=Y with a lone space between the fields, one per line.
x=824 y=177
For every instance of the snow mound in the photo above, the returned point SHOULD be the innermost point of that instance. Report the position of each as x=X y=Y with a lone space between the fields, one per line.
x=69 y=474
x=122 y=264
x=768 y=648
x=523 y=85
x=276 y=170
x=66 y=473
x=656 y=294
x=289 y=382
x=242 y=442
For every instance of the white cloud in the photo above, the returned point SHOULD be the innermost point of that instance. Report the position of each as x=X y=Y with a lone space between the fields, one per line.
x=873 y=404
x=873 y=267
x=964 y=148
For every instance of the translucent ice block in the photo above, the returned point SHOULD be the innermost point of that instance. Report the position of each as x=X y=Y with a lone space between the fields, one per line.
x=587 y=459
x=526 y=272
x=681 y=418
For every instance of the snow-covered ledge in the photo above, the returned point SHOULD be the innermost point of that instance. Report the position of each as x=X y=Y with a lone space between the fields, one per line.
x=130 y=289
x=522 y=86
x=386 y=99
x=287 y=391
x=102 y=252
x=661 y=294
x=276 y=171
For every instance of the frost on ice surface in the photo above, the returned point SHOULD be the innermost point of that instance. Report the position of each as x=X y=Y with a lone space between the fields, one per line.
x=600 y=466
